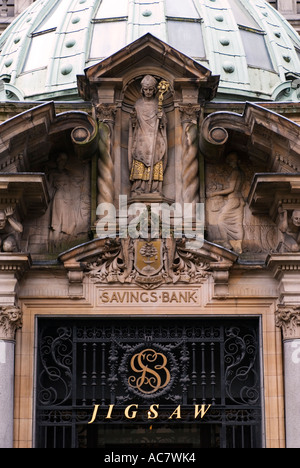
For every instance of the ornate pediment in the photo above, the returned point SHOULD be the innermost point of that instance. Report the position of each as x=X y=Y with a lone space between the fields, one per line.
x=147 y=264
x=105 y=81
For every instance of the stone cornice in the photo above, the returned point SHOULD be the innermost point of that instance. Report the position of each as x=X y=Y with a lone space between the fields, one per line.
x=16 y=263
x=10 y=321
x=288 y=319
x=281 y=263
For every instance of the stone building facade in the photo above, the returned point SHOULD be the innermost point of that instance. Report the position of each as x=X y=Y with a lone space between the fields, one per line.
x=149 y=227
x=10 y=9
x=290 y=9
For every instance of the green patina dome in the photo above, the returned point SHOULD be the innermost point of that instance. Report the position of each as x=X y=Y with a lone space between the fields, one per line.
x=248 y=43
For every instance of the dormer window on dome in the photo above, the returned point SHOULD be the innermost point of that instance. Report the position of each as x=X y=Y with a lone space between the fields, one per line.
x=109 y=28
x=41 y=41
x=252 y=36
x=184 y=27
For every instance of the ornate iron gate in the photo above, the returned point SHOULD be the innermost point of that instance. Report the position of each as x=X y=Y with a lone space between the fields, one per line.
x=153 y=382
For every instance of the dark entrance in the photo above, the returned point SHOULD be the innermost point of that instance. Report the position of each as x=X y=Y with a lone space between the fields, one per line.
x=154 y=383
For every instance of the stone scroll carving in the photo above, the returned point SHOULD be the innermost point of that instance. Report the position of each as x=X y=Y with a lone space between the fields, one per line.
x=148 y=147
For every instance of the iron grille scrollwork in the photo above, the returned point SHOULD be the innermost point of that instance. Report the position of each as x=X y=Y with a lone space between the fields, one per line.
x=55 y=378
x=83 y=363
x=241 y=374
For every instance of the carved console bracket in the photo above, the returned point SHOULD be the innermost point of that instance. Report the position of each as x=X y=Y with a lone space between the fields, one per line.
x=85 y=138
x=221 y=280
x=269 y=192
x=75 y=278
x=26 y=192
x=285 y=268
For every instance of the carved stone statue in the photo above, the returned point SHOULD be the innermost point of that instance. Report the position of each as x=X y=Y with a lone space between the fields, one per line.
x=290 y=227
x=147 y=149
x=231 y=214
x=66 y=218
x=10 y=228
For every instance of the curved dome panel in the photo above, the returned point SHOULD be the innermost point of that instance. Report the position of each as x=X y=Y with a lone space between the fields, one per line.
x=248 y=43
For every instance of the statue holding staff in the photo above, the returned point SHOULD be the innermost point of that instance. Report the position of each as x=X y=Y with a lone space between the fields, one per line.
x=147 y=151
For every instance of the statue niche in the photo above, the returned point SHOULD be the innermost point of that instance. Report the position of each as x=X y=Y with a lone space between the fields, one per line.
x=148 y=147
x=66 y=221
x=230 y=220
x=70 y=204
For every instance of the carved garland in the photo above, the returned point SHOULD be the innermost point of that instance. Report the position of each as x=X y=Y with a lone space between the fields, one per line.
x=10 y=321
x=116 y=264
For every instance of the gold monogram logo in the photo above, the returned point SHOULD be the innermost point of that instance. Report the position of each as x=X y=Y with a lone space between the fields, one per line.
x=151 y=367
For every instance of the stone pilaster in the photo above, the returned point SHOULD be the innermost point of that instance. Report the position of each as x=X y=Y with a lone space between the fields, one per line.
x=288 y=319
x=10 y=321
x=12 y=268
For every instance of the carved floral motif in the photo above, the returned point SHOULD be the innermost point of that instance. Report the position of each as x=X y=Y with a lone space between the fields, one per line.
x=288 y=319
x=119 y=262
x=106 y=113
x=10 y=321
x=189 y=113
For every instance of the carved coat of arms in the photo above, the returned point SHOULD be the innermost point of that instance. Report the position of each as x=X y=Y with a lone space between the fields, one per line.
x=147 y=263
x=148 y=257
